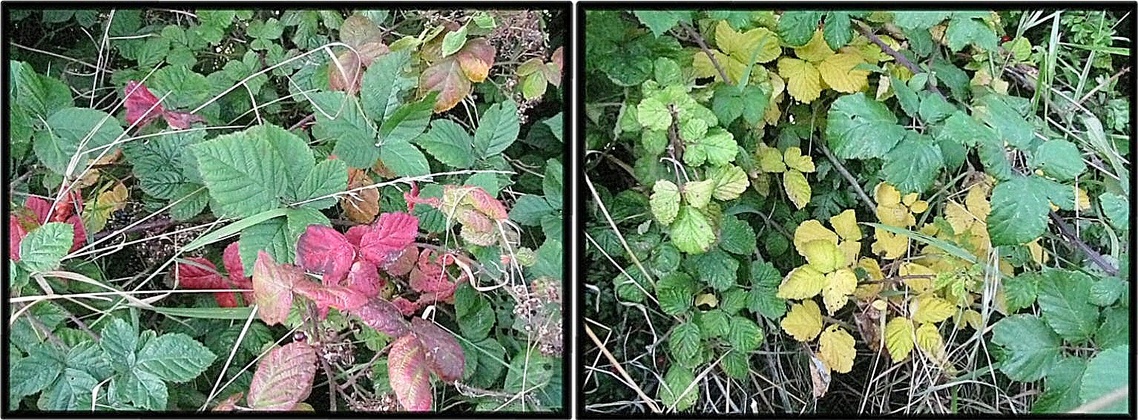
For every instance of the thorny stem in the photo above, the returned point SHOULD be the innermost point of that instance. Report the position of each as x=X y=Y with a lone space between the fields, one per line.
x=703 y=46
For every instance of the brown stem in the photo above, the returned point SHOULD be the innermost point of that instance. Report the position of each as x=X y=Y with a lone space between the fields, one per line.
x=1095 y=257
x=703 y=46
x=307 y=119
x=901 y=59
x=849 y=177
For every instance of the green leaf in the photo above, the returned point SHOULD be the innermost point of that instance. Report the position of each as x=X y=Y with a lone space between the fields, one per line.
x=685 y=343
x=1116 y=207
x=1032 y=347
x=665 y=201
x=72 y=392
x=672 y=391
x=1019 y=211
x=1106 y=290
x=675 y=292
x=145 y=390
x=861 y=128
x=653 y=114
x=730 y=182
x=1109 y=372
x=552 y=183
x=39 y=95
x=796 y=27
x=1115 y=328
x=698 y=193
x=1064 y=297
x=529 y=209
x=453 y=41
x=475 y=315
x=965 y=28
x=45 y=246
x=326 y=178
x=449 y=143
x=718 y=148
x=381 y=84
x=497 y=129
x=407 y=122
x=716 y=268
x=1008 y=122
x=1059 y=159
x=736 y=364
x=714 y=323
x=1020 y=291
x=745 y=335
x=251 y=171
x=1061 y=390
x=34 y=373
x=919 y=20
x=67 y=129
x=174 y=357
x=910 y=102
x=727 y=103
x=837 y=31
x=665 y=259
x=660 y=21
x=119 y=342
x=962 y=129
x=338 y=118
x=935 y=109
x=764 y=298
x=913 y=164
x=404 y=159
x=737 y=236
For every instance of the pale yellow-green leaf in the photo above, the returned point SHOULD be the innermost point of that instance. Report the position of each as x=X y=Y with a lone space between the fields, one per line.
x=850 y=249
x=899 y=338
x=691 y=232
x=802 y=79
x=886 y=194
x=889 y=245
x=811 y=230
x=969 y=318
x=869 y=290
x=836 y=348
x=958 y=217
x=698 y=193
x=918 y=277
x=703 y=67
x=803 y=321
x=770 y=160
x=665 y=201
x=838 y=72
x=930 y=342
x=742 y=46
x=932 y=309
x=839 y=286
x=845 y=225
x=795 y=160
x=730 y=182
x=816 y=50
x=1082 y=201
x=823 y=255
x=802 y=283
x=797 y=188
x=977 y=201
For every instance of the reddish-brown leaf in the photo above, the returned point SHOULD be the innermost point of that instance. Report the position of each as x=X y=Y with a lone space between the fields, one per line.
x=345 y=72
x=404 y=263
x=364 y=206
x=283 y=378
x=554 y=77
x=354 y=234
x=358 y=30
x=447 y=78
x=408 y=374
x=405 y=307
x=324 y=250
x=339 y=297
x=39 y=208
x=383 y=317
x=388 y=236
x=141 y=105
x=80 y=232
x=364 y=278
x=232 y=260
x=272 y=287
x=443 y=353
x=475 y=58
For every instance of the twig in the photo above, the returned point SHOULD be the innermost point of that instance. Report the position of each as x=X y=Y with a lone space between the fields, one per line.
x=703 y=46
x=846 y=174
x=1065 y=230
x=616 y=365
x=303 y=121
x=901 y=59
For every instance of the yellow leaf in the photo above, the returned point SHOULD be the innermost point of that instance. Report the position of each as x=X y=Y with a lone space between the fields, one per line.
x=839 y=285
x=795 y=160
x=958 y=217
x=895 y=215
x=845 y=224
x=928 y=339
x=888 y=245
x=968 y=318
x=770 y=160
x=742 y=46
x=918 y=277
x=884 y=90
x=803 y=321
x=703 y=67
x=1038 y=254
x=850 y=249
x=762 y=184
x=836 y=348
x=977 y=201
x=707 y=299
x=839 y=72
x=802 y=283
x=812 y=230
x=1082 y=201
x=919 y=206
x=816 y=50
x=931 y=309
x=802 y=79
x=95 y=216
x=698 y=193
x=869 y=290
x=899 y=338
x=886 y=194
x=797 y=188
x=823 y=255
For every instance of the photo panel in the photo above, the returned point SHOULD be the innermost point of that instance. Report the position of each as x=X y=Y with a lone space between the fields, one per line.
x=339 y=210
x=849 y=212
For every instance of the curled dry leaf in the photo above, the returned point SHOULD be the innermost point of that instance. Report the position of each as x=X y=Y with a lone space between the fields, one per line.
x=363 y=205
x=284 y=377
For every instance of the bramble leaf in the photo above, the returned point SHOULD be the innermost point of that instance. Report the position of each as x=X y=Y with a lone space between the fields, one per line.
x=861 y=128
x=899 y=338
x=1032 y=347
x=382 y=242
x=803 y=321
x=836 y=348
x=408 y=375
x=174 y=357
x=283 y=378
x=691 y=232
x=802 y=283
x=665 y=201
x=324 y=250
x=272 y=288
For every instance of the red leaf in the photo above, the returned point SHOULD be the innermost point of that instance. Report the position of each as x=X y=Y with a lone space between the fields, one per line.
x=272 y=287
x=71 y=204
x=364 y=278
x=181 y=120
x=444 y=354
x=392 y=233
x=39 y=207
x=324 y=250
x=225 y=299
x=80 y=235
x=141 y=105
x=383 y=317
x=404 y=306
x=354 y=234
x=341 y=298
x=429 y=276
x=232 y=260
x=16 y=234
x=199 y=273
x=284 y=377
x=403 y=265
x=407 y=372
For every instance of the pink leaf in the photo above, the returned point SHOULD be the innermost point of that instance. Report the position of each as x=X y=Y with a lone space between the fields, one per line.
x=341 y=298
x=405 y=307
x=444 y=354
x=80 y=235
x=355 y=233
x=408 y=374
x=364 y=278
x=284 y=377
x=39 y=207
x=225 y=299
x=390 y=234
x=272 y=287
x=324 y=250
x=16 y=234
x=199 y=273
x=181 y=120
x=141 y=105
x=383 y=317
x=232 y=260
x=487 y=204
